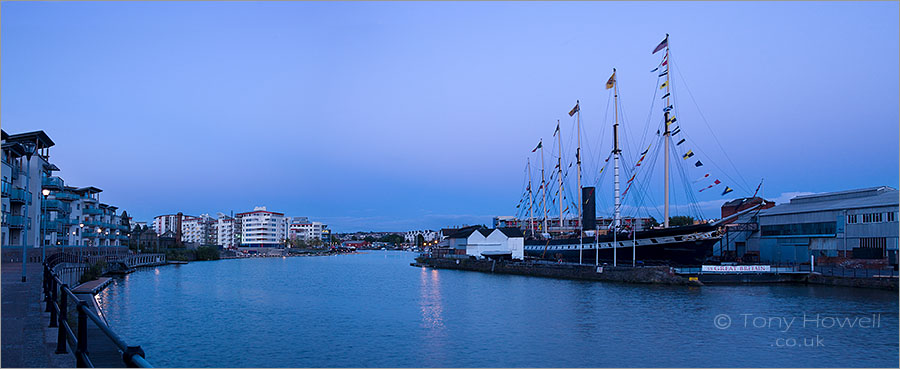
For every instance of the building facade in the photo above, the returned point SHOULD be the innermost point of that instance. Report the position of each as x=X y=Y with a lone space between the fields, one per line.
x=165 y=223
x=303 y=229
x=262 y=228
x=427 y=235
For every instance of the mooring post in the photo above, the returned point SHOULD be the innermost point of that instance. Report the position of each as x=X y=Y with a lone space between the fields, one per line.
x=63 y=315
x=129 y=353
x=81 y=349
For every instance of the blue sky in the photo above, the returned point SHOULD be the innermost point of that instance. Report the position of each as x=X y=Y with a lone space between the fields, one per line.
x=396 y=116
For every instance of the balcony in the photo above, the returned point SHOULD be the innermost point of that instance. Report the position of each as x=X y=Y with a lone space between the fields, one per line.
x=66 y=196
x=15 y=221
x=18 y=195
x=52 y=183
x=93 y=211
x=91 y=224
x=56 y=205
x=89 y=233
x=53 y=226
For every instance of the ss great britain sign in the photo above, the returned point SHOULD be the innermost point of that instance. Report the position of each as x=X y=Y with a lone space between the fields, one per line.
x=735 y=268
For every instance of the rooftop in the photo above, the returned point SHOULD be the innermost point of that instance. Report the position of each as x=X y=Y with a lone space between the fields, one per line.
x=852 y=199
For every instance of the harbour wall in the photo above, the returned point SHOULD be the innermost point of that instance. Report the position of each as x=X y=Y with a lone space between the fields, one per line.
x=646 y=274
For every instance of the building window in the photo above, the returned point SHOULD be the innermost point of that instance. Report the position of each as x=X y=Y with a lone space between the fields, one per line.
x=820 y=228
x=891 y=217
x=851 y=219
x=873 y=242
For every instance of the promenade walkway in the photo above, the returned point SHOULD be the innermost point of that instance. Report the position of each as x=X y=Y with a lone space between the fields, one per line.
x=26 y=339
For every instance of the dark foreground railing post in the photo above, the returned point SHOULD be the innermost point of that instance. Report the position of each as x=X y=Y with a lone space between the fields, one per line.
x=81 y=350
x=63 y=315
x=129 y=353
x=53 y=299
x=47 y=278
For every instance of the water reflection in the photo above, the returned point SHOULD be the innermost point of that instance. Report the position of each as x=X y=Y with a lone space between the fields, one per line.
x=430 y=301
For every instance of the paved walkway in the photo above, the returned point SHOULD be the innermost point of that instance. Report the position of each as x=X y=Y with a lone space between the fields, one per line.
x=27 y=342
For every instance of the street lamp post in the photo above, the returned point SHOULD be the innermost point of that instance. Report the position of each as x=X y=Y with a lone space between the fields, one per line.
x=46 y=193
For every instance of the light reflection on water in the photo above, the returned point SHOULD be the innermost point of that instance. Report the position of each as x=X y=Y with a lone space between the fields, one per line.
x=374 y=310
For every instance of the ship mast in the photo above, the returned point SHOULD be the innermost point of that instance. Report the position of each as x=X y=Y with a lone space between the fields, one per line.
x=578 y=157
x=543 y=185
x=616 y=152
x=559 y=174
x=666 y=136
x=530 y=200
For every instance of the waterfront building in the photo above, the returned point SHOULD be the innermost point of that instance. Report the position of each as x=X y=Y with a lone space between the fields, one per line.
x=165 y=223
x=427 y=235
x=225 y=231
x=65 y=216
x=199 y=230
x=262 y=228
x=303 y=229
x=859 y=224
x=476 y=240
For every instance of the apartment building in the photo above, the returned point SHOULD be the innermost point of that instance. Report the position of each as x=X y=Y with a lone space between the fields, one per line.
x=262 y=228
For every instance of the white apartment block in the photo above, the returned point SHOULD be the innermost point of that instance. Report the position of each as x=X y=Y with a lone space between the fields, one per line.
x=165 y=223
x=303 y=229
x=428 y=235
x=225 y=232
x=199 y=230
x=262 y=228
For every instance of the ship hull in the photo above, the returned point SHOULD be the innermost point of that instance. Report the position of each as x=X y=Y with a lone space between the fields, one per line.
x=652 y=247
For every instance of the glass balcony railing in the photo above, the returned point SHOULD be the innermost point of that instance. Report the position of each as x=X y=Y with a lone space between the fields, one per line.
x=93 y=211
x=56 y=205
x=52 y=182
x=15 y=221
x=66 y=196
x=18 y=195
x=89 y=233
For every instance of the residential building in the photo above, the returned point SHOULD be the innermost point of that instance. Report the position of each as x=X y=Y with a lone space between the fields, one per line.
x=427 y=235
x=165 y=223
x=304 y=229
x=199 y=230
x=225 y=235
x=262 y=228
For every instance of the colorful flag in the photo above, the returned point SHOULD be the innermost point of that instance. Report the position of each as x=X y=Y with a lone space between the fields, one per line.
x=680 y=142
x=540 y=144
x=727 y=190
x=668 y=108
x=662 y=45
x=612 y=80
x=688 y=154
x=574 y=110
x=664 y=84
x=557 y=129
x=698 y=164
x=645 y=151
x=632 y=177
x=665 y=96
x=671 y=120
x=639 y=161
x=666 y=62
x=717 y=182
x=702 y=178
x=757 y=188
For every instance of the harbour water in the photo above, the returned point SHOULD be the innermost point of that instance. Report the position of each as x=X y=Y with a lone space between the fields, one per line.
x=374 y=310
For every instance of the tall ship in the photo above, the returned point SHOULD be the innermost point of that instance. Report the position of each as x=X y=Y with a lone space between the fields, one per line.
x=584 y=238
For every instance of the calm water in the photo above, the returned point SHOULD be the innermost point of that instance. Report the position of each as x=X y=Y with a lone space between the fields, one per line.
x=374 y=310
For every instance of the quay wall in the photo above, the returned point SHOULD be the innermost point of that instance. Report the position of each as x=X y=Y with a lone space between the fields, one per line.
x=887 y=283
x=646 y=274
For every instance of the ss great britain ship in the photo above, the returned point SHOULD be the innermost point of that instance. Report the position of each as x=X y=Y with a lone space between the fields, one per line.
x=581 y=238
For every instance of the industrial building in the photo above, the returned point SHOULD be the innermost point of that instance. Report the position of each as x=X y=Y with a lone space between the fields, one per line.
x=854 y=224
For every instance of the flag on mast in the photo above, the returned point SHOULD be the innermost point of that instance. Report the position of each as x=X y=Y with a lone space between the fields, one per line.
x=662 y=45
x=574 y=110
x=557 y=129
x=612 y=80
x=727 y=190
x=688 y=154
x=540 y=144
x=663 y=85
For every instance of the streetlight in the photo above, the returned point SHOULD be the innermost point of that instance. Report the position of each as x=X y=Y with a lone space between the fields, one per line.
x=45 y=192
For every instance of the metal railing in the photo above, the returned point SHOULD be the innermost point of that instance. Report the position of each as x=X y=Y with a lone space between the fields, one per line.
x=836 y=271
x=57 y=296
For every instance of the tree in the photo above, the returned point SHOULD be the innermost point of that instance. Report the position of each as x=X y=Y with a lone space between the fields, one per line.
x=680 y=220
x=369 y=239
x=420 y=240
x=653 y=223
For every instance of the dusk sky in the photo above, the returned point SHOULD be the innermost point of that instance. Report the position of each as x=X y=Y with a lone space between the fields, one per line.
x=399 y=116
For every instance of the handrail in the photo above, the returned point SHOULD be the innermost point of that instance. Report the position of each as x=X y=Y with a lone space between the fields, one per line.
x=56 y=296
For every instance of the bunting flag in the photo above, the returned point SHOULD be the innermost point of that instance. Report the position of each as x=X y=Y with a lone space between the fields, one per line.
x=705 y=176
x=557 y=129
x=632 y=177
x=574 y=110
x=688 y=154
x=570 y=165
x=645 y=151
x=662 y=45
x=612 y=81
x=668 y=108
x=664 y=73
x=665 y=96
x=675 y=132
x=680 y=142
x=540 y=145
x=716 y=182
x=567 y=209
x=698 y=164
x=671 y=120
x=657 y=132
x=639 y=161
x=664 y=84
x=665 y=62
x=654 y=70
x=601 y=170
x=727 y=190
